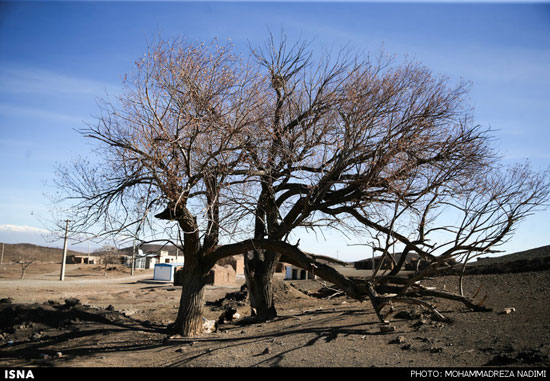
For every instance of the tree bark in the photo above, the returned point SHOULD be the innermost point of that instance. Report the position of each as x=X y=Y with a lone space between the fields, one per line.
x=259 y=269
x=260 y=264
x=189 y=319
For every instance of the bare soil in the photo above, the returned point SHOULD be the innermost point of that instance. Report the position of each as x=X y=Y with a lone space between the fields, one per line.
x=113 y=319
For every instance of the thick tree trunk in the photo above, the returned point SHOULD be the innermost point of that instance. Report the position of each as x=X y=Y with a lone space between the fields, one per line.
x=260 y=264
x=259 y=269
x=189 y=319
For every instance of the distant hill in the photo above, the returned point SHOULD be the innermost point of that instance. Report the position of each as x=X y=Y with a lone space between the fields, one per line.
x=531 y=254
x=536 y=259
x=528 y=260
x=42 y=253
x=51 y=254
x=366 y=264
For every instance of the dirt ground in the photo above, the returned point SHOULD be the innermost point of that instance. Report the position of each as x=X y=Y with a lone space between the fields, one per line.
x=118 y=320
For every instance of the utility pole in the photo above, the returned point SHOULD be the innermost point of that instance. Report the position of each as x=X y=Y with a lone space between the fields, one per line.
x=133 y=257
x=64 y=259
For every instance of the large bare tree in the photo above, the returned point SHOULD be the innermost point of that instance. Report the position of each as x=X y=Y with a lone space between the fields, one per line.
x=347 y=142
x=166 y=148
x=235 y=155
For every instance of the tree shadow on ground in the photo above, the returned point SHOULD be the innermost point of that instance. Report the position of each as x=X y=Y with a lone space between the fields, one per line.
x=326 y=327
x=35 y=329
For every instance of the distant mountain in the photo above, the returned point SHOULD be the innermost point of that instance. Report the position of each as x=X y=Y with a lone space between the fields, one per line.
x=14 y=234
x=537 y=259
x=12 y=252
x=27 y=234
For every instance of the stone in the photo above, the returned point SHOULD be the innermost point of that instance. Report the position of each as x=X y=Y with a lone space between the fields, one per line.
x=209 y=326
x=398 y=340
x=508 y=310
x=72 y=302
x=403 y=315
x=385 y=328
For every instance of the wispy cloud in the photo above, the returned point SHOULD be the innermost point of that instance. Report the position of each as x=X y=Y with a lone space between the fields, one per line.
x=39 y=113
x=32 y=80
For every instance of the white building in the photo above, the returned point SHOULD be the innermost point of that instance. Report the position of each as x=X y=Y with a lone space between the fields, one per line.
x=295 y=273
x=149 y=260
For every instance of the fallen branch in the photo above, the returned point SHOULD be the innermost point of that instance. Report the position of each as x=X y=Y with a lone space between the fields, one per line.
x=406 y=300
x=449 y=295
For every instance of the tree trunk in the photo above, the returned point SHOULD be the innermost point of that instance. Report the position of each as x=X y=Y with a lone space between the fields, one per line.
x=259 y=269
x=260 y=264
x=189 y=319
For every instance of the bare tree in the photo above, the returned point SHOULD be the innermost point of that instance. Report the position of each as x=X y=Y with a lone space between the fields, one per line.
x=108 y=256
x=166 y=148
x=295 y=128
x=235 y=155
x=447 y=227
x=347 y=142
x=25 y=261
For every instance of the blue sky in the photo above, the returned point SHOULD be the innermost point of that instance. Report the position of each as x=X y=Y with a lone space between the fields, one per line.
x=58 y=58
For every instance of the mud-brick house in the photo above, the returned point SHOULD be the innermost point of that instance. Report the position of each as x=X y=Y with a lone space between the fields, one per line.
x=236 y=261
x=83 y=259
x=221 y=275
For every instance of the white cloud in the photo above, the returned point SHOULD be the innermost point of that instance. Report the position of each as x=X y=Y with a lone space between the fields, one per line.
x=14 y=234
x=26 y=234
x=23 y=229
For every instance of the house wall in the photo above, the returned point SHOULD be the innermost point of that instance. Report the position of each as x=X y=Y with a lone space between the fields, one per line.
x=82 y=259
x=237 y=262
x=221 y=275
